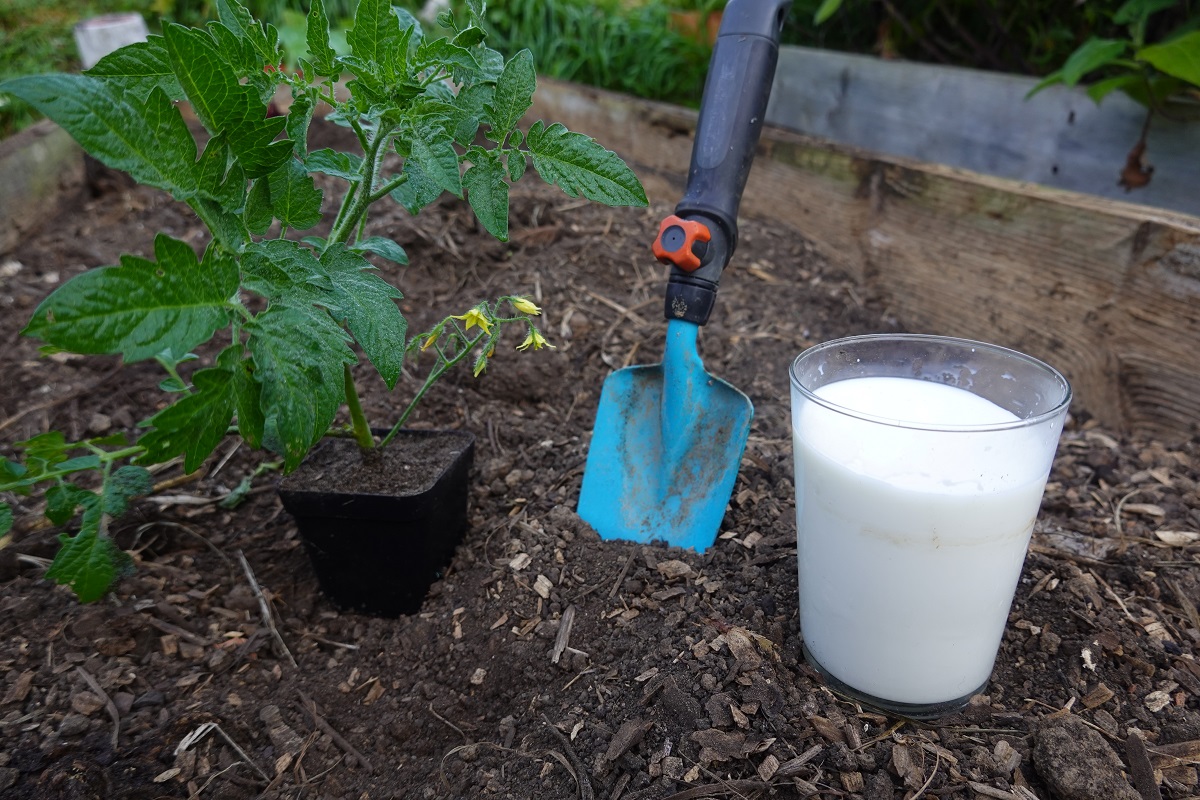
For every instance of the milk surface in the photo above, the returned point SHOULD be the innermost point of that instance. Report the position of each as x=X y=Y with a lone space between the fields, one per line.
x=910 y=541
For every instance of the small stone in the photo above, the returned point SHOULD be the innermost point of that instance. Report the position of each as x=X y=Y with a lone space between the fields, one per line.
x=1077 y=763
x=123 y=701
x=100 y=423
x=86 y=703
x=73 y=725
x=8 y=777
x=150 y=699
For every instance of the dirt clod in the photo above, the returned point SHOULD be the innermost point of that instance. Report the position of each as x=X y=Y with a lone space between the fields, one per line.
x=1077 y=763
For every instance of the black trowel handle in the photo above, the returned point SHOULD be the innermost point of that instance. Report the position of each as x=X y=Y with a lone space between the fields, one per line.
x=700 y=236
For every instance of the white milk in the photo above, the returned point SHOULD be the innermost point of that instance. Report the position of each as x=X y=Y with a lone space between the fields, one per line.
x=910 y=542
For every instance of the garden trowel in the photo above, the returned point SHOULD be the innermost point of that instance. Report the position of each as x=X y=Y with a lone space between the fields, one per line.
x=669 y=438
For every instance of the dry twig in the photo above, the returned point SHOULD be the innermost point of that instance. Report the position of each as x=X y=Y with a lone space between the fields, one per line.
x=109 y=705
x=308 y=705
x=265 y=608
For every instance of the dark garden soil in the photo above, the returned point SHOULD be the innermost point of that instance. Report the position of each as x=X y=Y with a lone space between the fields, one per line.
x=676 y=674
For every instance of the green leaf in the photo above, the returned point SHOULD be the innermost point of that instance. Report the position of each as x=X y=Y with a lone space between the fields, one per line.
x=376 y=37
x=365 y=303
x=1101 y=89
x=258 y=214
x=88 y=562
x=1179 y=58
x=140 y=308
x=138 y=68
x=488 y=193
x=471 y=102
x=516 y=165
x=476 y=7
x=194 y=425
x=298 y=353
x=299 y=117
x=62 y=500
x=236 y=18
x=469 y=37
x=1053 y=79
x=514 y=95
x=381 y=246
x=149 y=139
x=320 y=53
x=826 y=10
x=295 y=199
x=6 y=518
x=220 y=178
x=416 y=192
x=285 y=271
x=1137 y=10
x=125 y=484
x=332 y=162
x=247 y=394
x=579 y=166
x=433 y=151
x=223 y=104
x=1090 y=56
x=442 y=54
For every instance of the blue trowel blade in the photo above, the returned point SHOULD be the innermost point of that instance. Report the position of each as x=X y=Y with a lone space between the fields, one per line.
x=666 y=448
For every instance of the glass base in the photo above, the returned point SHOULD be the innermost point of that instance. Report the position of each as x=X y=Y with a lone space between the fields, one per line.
x=917 y=711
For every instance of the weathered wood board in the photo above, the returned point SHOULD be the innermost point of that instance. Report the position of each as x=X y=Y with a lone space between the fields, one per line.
x=1109 y=292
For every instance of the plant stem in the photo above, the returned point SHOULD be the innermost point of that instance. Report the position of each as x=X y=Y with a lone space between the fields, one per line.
x=362 y=430
x=356 y=201
x=435 y=373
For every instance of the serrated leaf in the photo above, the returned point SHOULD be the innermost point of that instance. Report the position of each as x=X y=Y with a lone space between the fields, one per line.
x=6 y=518
x=149 y=140
x=516 y=165
x=443 y=54
x=88 y=562
x=223 y=103
x=79 y=464
x=298 y=353
x=365 y=303
x=1091 y=55
x=376 y=37
x=295 y=199
x=138 y=68
x=416 y=192
x=44 y=450
x=579 y=166
x=125 y=484
x=472 y=102
x=514 y=95
x=258 y=214
x=194 y=425
x=299 y=117
x=320 y=52
x=220 y=178
x=433 y=151
x=1179 y=58
x=381 y=246
x=62 y=500
x=488 y=194
x=477 y=8
x=247 y=394
x=332 y=162
x=140 y=308
x=285 y=271
x=235 y=17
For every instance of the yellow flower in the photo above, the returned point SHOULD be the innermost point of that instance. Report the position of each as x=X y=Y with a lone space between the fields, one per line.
x=476 y=317
x=480 y=365
x=534 y=340
x=525 y=306
x=430 y=339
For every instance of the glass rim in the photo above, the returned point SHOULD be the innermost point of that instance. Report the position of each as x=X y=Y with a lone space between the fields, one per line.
x=1058 y=409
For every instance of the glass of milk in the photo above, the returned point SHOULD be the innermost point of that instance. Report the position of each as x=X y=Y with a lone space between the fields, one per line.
x=920 y=464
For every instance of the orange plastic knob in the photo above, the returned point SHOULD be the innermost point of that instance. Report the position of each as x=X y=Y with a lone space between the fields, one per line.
x=677 y=242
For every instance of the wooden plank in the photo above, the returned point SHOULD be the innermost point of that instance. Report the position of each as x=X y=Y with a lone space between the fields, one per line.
x=984 y=122
x=1107 y=291
x=41 y=174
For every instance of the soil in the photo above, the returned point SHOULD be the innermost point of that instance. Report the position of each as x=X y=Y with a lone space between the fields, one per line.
x=547 y=663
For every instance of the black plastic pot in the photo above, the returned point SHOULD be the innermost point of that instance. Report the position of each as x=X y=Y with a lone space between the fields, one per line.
x=378 y=554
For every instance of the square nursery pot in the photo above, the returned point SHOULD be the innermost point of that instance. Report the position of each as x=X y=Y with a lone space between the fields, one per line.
x=380 y=528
